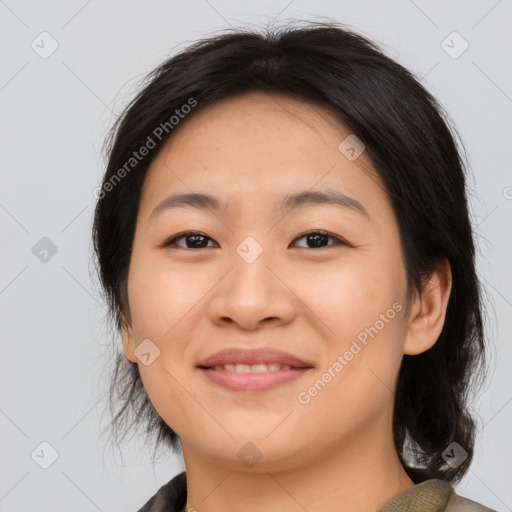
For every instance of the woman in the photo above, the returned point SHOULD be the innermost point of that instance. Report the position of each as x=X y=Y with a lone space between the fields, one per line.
x=283 y=237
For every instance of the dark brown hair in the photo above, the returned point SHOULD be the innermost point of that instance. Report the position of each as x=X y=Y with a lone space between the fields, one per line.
x=408 y=140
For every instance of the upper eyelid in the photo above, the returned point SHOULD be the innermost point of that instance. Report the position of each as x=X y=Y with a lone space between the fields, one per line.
x=340 y=240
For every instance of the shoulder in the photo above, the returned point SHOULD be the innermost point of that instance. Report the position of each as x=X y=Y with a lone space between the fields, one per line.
x=171 y=497
x=458 y=503
x=431 y=495
x=434 y=495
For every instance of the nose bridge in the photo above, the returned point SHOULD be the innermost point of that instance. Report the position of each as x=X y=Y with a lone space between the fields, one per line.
x=251 y=278
x=251 y=292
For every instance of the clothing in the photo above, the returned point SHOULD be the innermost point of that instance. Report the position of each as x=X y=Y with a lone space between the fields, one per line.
x=433 y=495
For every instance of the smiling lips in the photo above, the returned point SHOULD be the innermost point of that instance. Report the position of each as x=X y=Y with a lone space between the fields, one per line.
x=253 y=369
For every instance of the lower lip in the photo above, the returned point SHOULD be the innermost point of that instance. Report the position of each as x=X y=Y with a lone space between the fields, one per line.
x=253 y=381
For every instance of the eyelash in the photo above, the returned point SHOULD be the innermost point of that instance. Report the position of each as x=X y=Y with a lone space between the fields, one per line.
x=338 y=240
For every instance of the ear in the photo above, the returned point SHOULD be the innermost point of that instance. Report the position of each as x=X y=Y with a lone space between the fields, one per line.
x=428 y=310
x=128 y=341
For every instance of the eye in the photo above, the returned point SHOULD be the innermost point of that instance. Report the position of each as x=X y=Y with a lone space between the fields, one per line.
x=316 y=238
x=197 y=240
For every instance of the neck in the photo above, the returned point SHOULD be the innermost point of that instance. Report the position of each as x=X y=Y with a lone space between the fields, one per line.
x=361 y=475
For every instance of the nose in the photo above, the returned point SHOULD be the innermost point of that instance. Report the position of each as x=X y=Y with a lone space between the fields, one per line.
x=251 y=296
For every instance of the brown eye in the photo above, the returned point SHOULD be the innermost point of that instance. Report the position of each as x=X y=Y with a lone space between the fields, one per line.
x=197 y=240
x=193 y=240
x=317 y=239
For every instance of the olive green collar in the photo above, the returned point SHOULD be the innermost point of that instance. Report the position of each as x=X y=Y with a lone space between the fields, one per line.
x=429 y=496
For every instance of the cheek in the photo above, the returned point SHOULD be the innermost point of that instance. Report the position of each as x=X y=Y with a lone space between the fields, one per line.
x=168 y=397
x=359 y=304
x=161 y=301
x=356 y=378
x=349 y=295
x=161 y=296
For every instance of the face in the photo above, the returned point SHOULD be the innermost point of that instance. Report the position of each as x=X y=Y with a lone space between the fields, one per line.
x=323 y=281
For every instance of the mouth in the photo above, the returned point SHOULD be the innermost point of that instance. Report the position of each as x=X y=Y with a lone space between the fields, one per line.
x=240 y=357
x=253 y=370
x=257 y=377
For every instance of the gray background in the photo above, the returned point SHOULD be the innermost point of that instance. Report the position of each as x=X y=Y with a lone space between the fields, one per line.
x=55 y=114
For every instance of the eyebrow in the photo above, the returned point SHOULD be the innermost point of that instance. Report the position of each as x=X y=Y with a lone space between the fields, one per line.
x=289 y=202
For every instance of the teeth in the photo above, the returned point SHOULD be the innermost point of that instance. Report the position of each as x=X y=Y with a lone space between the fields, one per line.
x=254 y=368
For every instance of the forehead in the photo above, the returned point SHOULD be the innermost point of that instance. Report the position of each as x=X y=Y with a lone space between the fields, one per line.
x=259 y=145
